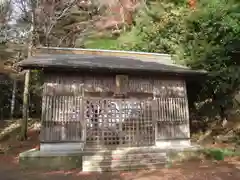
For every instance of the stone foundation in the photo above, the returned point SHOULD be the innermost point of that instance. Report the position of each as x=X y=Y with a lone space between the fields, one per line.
x=67 y=146
x=166 y=144
x=104 y=159
x=50 y=161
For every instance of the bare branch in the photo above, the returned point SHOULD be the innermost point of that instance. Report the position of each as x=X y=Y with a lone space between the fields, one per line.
x=83 y=33
x=62 y=14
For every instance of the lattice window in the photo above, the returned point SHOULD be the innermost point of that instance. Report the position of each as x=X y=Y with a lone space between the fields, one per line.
x=172 y=118
x=61 y=119
x=172 y=109
x=118 y=122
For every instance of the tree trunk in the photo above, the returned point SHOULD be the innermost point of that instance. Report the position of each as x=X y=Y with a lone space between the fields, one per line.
x=25 y=107
x=24 y=123
x=13 y=97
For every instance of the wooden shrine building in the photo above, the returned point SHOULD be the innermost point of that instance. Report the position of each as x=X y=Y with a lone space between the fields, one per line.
x=102 y=98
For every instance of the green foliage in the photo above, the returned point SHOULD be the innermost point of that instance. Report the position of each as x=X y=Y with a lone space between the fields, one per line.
x=159 y=28
x=206 y=38
x=219 y=154
x=35 y=93
x=103 y=43
x=212 y=43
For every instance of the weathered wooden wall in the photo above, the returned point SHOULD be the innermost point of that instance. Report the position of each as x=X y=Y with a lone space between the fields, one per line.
x=64 y=98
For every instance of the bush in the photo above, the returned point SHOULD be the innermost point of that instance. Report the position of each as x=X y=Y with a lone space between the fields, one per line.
x=219 y=154
x=206 y=38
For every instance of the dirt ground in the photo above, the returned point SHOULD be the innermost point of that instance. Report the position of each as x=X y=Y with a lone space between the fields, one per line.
x=207 y=170
x=229 y=169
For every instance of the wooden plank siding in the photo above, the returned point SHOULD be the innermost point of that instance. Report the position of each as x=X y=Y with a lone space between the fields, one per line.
x=65 y=106
x=172 y=120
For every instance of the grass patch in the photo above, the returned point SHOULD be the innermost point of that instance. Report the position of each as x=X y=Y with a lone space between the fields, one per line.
x=125 y=40
x=103 y=43
x=215 y=154
x=219 y=154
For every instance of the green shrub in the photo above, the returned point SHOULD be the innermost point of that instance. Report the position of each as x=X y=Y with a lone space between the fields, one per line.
x=219 y=154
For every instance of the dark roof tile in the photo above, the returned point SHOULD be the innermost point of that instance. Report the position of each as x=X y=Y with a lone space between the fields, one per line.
x=83 y=61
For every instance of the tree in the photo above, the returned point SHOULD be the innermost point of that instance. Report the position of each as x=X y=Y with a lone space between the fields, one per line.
x=9 y=41
x=213 y=42
x=41 y=17
x=207 y=37
x=5 y=17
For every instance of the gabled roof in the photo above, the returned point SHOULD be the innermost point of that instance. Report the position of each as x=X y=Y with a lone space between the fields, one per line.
x=94 y=60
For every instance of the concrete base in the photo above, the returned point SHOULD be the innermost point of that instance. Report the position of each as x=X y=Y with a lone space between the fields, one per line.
x=48 y=147
x=50 y=160
x=166 y=144
x=79 y=146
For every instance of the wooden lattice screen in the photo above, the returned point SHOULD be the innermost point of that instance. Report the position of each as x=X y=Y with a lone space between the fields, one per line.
x=69 y=114
x=119 y=122
x=172 y=118
x=62 y=119
x=171 y=107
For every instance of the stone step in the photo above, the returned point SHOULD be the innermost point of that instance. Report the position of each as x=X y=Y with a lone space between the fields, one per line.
x=144 y=157
x=123 y=161
x=123 y=151
x=127 y=156
x=123 y=167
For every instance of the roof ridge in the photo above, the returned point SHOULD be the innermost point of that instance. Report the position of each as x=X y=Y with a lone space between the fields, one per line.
x=101 y=51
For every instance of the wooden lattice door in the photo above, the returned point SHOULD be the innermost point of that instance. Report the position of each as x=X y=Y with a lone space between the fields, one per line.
x=118 y=122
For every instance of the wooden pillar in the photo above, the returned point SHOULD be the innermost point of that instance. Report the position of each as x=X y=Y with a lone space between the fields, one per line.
x=155 y=117
x=121 y=84
x=83 y=120
x=187 y=111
